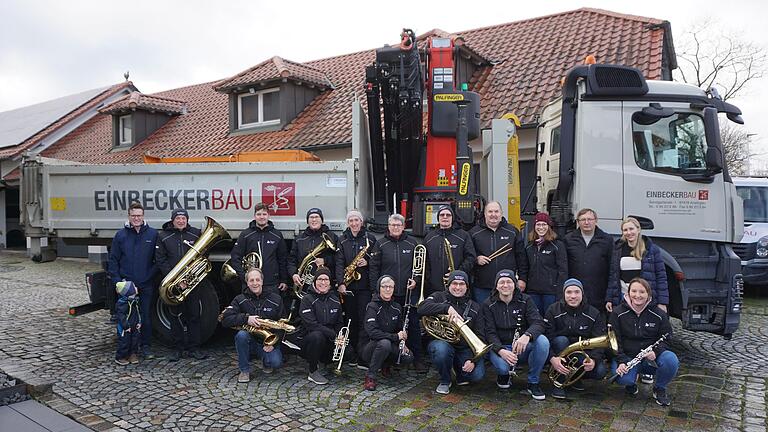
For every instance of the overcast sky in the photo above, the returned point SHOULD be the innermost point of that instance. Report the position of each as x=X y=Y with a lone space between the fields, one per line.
x=50 y=49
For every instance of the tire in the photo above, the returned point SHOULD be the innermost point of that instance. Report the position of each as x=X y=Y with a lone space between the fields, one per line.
x=209 y=312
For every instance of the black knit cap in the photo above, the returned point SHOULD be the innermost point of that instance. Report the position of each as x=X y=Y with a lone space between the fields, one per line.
x=317 y=211
x=321 y=271
x=505 y=273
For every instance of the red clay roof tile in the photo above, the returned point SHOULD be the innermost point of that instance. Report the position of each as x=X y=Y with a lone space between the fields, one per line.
x=138 y=100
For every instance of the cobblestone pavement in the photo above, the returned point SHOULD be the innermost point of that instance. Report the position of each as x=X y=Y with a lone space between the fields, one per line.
x=721 y=385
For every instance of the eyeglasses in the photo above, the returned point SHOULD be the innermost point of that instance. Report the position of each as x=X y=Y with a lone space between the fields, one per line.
x=395 y=224
x=586 y=219
x=388 y=287
x=324 y=279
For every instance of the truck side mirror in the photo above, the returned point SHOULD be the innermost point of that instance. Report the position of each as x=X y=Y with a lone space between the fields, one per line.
x=651 y=114
x=714 y=155
x=714 y=159
x=541 y=148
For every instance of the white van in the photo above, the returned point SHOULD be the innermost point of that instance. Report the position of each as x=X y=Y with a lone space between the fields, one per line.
x=753 y=249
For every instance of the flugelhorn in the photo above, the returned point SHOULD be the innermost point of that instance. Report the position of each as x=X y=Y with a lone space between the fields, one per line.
x=574 y=356
x=193 y=266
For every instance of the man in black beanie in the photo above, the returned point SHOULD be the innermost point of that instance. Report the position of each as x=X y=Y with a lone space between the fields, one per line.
x=447 y=235
x=305 y=242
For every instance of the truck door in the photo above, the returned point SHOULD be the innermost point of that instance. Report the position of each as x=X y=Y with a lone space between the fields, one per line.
x=549 y=163
x=662 y=157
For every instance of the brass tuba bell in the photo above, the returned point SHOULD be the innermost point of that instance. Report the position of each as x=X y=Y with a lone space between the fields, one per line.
x=193 y=266
x=441 y=327
x=574 y=356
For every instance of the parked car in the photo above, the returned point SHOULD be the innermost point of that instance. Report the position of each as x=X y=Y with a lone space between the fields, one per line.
x=753 y=249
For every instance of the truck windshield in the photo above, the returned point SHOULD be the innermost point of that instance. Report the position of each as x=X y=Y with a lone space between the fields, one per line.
x=672 y=145
x=755 y=203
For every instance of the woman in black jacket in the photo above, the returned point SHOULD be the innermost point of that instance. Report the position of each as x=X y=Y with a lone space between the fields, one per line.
x=547 y=264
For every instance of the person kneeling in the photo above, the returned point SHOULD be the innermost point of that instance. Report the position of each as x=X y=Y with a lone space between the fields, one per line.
x=568 y=321
x=456 y=357
x=384 y=327
x=321 y=319
x=514 y=327
x=642 y=330
x=247 y=310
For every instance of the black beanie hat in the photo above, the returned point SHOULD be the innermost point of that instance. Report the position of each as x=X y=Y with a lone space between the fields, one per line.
x=179 y=212
x=321 y=271
x=458 y=275
x=317 y=211
x=505 y=273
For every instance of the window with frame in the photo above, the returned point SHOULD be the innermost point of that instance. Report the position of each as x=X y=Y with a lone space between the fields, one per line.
x=260 y=108
x=125 y=130
x=554 y=141
x=672 y=145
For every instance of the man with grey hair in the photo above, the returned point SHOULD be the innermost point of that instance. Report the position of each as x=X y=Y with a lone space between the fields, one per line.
x=393 y=256
x=589 y=251
x=354 y=284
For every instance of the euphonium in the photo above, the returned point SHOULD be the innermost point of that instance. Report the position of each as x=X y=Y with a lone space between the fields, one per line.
x=305 y=268
x=441 y=327
x=574 y=356
x=350 y=271
x=250 y=261
x=193 y=266
x=261 y=332
x=449 y=256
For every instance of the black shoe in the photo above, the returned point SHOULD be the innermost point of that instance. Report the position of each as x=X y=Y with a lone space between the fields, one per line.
x=147 y=353
x=578 y=386
x=502 y=381
x=175 y=356
x=198 y=355
x=661 y=396
x=646 y=378
x=631 y=389
x=558 y=393
x=535 y=391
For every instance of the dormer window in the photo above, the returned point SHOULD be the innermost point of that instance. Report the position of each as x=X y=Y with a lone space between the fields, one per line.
x=258 y=108
x=125 y=128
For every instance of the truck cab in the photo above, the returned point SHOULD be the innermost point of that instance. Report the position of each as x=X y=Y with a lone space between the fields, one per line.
x=624 y=146
x=753 y=249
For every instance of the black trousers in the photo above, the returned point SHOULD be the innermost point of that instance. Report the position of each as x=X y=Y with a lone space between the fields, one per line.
x=185 y=322
x=414 y=330
x=354 y=309
x=316 y=348
x=380 y=353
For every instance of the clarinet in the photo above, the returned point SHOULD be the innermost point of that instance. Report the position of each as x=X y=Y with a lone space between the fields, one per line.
x=405 y=329
x=640 y=356
x=515 y=337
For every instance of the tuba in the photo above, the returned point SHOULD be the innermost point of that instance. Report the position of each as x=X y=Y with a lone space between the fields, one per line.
x=350 y=272
x=574 y=356
x=250 y=261
x=305 y=268
x=449 y=256
x=193 y=266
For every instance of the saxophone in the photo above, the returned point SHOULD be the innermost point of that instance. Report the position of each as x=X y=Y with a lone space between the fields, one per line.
x=350 y=272
x=305 y=271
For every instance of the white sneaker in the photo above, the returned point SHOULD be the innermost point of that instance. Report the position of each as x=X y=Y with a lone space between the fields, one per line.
x=443 y=388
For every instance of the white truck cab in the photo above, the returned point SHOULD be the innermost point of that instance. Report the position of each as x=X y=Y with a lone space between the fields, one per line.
x=623 y=146
x=753 y=249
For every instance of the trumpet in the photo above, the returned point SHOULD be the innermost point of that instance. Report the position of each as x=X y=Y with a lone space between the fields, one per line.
x=449 y=256
x=342 y=340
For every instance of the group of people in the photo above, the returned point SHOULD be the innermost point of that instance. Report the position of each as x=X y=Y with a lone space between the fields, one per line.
x=527 y=299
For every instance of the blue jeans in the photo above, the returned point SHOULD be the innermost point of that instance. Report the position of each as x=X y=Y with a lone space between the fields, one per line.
x=667 y=369
x=559 y=343
x=543 y=301
x=446 y=357
x=248 y=345
x=535 y=354
x=480 y=294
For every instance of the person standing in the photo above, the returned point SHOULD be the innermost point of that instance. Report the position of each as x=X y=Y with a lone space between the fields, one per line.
x=393 y=256
x=262 y=238
x=491 y=235
x=447 y=235
x=589 y=251
x=173 y=243
x=128 y=324
x=356 y=293
x=249 y=308
x=547 y=264
x=132 y=258
x=305 y=242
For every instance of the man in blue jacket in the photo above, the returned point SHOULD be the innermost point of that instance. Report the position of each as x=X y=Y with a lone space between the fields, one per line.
x=132 y=258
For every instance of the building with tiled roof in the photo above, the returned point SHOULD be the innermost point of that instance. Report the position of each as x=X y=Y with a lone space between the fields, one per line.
x=280 y=104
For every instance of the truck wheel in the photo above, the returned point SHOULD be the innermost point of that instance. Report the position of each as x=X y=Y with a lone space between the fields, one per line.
x=209 y=312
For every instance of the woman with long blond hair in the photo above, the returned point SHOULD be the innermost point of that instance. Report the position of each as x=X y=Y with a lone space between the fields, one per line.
x=635 y=255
